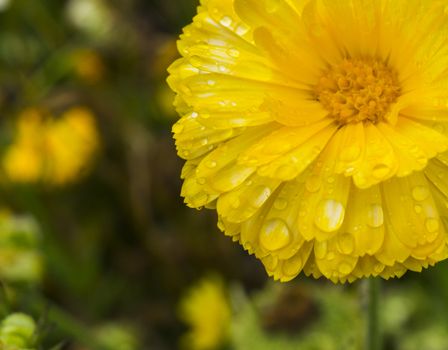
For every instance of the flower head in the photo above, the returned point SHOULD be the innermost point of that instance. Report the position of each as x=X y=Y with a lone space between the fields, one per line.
x=318 y=130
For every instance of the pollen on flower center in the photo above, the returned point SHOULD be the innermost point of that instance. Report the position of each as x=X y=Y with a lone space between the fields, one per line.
x=358 y=90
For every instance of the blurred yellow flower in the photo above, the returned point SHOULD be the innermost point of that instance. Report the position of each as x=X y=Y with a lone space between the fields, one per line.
x=206 y=310
x=318 y=130
x=54 y=151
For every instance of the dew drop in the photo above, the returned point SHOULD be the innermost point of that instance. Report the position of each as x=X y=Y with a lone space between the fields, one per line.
x=418 y=208
x=211 y=82
x=313 y=184
x=211 y=164
x=375 y=216
x=201 y=181
x=280 y=203
x=329 y=215
x=432 y=225
x=226 y=21
x=344 y=268
x=241 y=30
x=275 y=235
x=233 y=53
x=346 y=243
x=194 y=115
x=292 y=267
x=420 y=193
x=261 y=194
x=320 y=249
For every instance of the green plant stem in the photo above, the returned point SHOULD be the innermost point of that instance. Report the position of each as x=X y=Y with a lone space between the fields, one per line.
x=374 y=339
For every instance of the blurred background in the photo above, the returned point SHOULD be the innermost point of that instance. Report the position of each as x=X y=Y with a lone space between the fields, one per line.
x=97 y=250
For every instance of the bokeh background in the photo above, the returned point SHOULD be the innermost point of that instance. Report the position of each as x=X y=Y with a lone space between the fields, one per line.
x=98 y=251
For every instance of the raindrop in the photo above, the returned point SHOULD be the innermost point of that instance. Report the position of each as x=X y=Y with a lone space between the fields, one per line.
x=375 y=216
x=292 y=267
x=420 y=193
x=211 y=164
x=275 y=235
x=320 y=249
x=280 y=203
x=344 y=268
x=226 y=21
x=432 y=225
x=313 y=184
x=329 y=215
x=346 y=243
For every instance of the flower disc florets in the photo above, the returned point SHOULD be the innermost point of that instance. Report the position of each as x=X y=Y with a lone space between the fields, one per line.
x=358 y=90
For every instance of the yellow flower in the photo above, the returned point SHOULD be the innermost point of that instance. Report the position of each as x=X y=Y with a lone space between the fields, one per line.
x=55 y=151
x=206 y=310
x=318 y=130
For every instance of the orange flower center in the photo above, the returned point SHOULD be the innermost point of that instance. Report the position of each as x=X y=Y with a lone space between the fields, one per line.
x=358 y=90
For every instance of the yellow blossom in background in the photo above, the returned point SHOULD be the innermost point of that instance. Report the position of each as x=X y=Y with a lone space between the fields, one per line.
x=318 y=131
x=206 y=310
x=52 y=150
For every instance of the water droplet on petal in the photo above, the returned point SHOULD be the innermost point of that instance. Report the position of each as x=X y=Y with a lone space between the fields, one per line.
x=329 y=215
x=226 y=21
x=320 y=249
x=275 y=235
x=418 y=208
x=280 y=203
x=345 y=268
x=242 y=29
x=420 y=193
x=261 y=194
x=211 y=164
x=346 y=243
x=313 y=184
x=233 y=53
x=201 y=181
x=375 y=216
x=432 y=225
x=292 y=266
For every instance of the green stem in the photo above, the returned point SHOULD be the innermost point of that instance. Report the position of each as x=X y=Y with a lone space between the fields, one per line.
x=374 y=340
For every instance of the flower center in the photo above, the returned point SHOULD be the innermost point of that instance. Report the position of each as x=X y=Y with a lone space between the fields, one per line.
x=358 y=90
